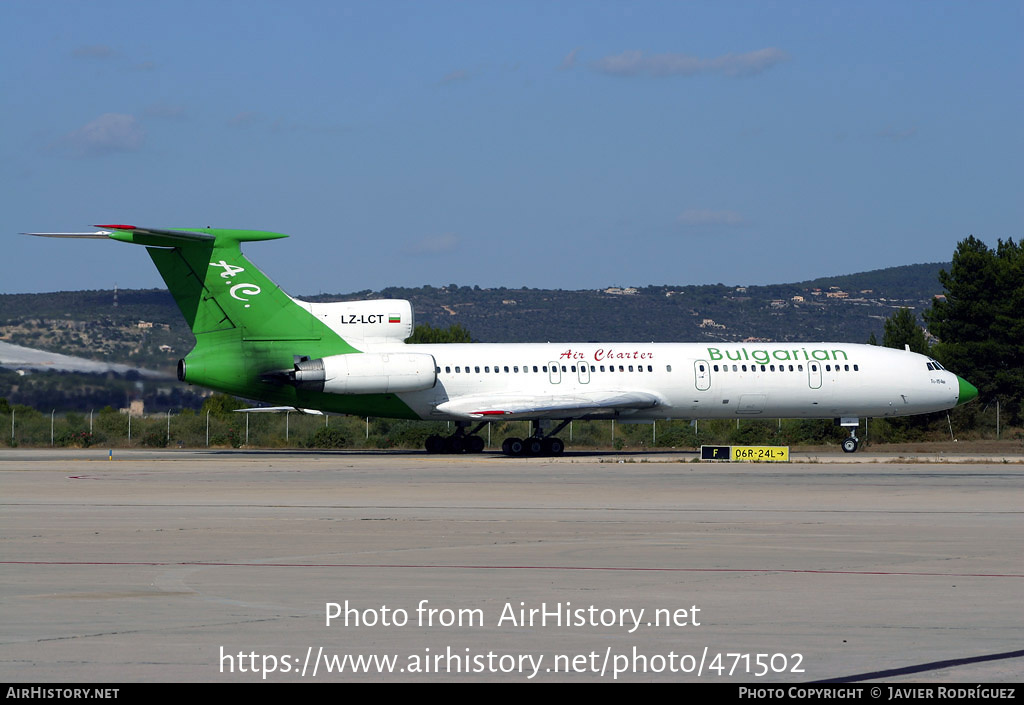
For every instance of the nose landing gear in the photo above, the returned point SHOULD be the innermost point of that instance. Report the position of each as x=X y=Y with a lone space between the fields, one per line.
x=851 y=444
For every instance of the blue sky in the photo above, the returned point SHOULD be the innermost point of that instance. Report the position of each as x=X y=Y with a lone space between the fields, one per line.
x=550 y=144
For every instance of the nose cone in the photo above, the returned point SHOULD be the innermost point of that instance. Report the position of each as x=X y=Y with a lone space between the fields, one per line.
x=967 y=391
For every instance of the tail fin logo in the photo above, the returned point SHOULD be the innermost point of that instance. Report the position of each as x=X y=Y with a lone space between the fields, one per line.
x=236 y=291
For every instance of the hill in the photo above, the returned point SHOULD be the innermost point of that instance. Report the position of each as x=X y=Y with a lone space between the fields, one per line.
x=145 y=329
x=848 y=309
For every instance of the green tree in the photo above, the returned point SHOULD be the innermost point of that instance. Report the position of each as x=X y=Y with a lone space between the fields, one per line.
x=221 y=405
x=980 y=322
x=455 y=333
x=901 y=330
x=325 y=437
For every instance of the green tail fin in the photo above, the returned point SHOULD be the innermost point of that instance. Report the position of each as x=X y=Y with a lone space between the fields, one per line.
x=217 y=288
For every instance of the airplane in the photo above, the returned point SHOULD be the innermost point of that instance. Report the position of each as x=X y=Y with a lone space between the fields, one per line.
x=255 y=341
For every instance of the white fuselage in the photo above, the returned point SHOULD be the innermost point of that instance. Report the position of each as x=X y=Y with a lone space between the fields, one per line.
x=689 y=380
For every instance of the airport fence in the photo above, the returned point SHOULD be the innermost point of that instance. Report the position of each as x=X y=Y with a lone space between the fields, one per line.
x=26 y=427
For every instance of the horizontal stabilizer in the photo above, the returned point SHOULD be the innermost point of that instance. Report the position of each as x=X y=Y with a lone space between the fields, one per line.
x=279 y=409
x=98 y=235
x=164 y=237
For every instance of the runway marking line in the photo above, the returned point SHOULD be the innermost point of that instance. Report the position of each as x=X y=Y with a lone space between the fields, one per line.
x=519 y=567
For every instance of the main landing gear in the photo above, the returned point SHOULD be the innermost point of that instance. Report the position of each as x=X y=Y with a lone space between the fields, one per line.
x=458 y=442
x=539 y=443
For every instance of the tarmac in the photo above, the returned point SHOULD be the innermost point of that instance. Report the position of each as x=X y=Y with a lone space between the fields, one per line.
x=281 y=566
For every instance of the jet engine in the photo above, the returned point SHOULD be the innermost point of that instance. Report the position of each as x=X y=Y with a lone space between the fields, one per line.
x=365 y=373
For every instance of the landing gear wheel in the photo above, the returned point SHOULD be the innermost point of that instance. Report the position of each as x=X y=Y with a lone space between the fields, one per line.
x=850 y=445
x=474 y=444
x=553 y=446
x=512 y=446
x=455 y=444
x=434 y=444
x=533 y=446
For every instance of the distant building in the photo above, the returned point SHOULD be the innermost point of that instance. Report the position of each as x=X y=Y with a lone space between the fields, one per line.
x=135 y=408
